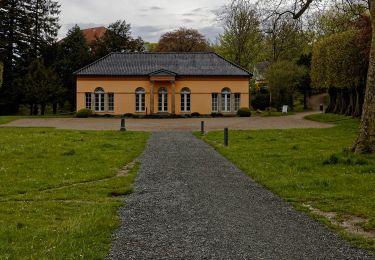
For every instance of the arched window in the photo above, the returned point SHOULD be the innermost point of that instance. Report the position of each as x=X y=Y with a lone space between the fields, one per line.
x=163 y=100
x=185 y=100
x=99 y=100
x=140 y=95
x=225 y=100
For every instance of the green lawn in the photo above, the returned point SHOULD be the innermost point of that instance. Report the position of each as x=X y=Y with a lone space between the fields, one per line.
x=309 y=166
x=8 y=119
x=59 y=191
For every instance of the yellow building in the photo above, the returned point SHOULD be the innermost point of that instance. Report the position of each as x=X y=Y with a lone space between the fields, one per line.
x=163 y=84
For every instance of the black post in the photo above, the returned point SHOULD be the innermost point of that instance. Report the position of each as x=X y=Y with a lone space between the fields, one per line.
x=226 y=136
x=202 y=127
x=122 y=124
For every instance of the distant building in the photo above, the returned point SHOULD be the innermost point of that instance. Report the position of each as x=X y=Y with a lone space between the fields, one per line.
x=163 y=83
x=91 y=34
x=260 y=71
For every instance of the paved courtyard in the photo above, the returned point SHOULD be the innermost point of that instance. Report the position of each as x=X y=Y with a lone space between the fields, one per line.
x=187 y=124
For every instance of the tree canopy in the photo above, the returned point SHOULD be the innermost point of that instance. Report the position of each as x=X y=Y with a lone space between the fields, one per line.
x=182 y=40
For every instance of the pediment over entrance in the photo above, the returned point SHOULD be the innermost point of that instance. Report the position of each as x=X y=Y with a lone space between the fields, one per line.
x=162 y=75
x=163 y=72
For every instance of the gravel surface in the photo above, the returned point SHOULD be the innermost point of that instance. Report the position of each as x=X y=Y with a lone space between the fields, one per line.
x=186 y=124
x=191 y=203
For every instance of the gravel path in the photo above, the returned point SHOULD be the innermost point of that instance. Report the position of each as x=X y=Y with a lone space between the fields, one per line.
x=191 y=203
x=187 y=124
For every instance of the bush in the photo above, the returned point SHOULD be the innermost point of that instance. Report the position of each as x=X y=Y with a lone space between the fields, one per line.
x=271 y=109
x=260 y=101
x=195 y=114
x=217 y=114
x=84 y=113
x=128 y=115
x=244 y=112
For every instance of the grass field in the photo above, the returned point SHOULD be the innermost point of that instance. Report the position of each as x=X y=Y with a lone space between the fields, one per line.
x=59 y=191
x=8 y=119
x=310 y=167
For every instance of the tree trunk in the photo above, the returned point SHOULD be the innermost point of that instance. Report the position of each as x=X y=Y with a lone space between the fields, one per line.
x=366 y=139
x=332 y=92
x=54 y=108
x=305 y=99
x=344 y=101
x=31 y=109
x=35 y=109
x=358 y=101
x=351 y=97
x=338 y=104
x=42 y=109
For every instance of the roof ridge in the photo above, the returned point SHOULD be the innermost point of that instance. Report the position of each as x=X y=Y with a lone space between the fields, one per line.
x=172 y=52
x=234 y=64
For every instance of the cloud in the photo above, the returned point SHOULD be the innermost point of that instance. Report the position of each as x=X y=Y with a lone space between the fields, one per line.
x=149 y=33
x=152 y=8
x=197 y=10
x=186 y=20
x=188 y=14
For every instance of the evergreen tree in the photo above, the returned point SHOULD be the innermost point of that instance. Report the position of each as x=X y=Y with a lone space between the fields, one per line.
x=13 y=42
x=73 y=54
x=117 y=39
x=26 y=27
x=43 y=25
x=41 y=86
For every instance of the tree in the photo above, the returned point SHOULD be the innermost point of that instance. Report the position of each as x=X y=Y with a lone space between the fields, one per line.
x=340 y=64
x=43 y=25
x=41 y=86
x=366 y=138
x=26 y=26
x=305 y=83
x=284 y=77
x=13 y=24
x=242 y=40
x=73 y=54
x=286 y=38
x=1 y=74
x=117 y=39
x=182 y=40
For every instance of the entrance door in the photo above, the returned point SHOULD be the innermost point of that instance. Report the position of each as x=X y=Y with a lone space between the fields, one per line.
x=163 y=100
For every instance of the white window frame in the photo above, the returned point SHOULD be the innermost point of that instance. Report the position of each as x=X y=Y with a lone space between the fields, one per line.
x=215 y=102
x=163 y=100
x=111 y=102
x=88 y=101
x=99 y=100
x=140 y=100
x=226 y=100
x=237 y=101
x=185 y=100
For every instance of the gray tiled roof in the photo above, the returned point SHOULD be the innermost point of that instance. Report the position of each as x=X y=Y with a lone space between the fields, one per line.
x=182 y=64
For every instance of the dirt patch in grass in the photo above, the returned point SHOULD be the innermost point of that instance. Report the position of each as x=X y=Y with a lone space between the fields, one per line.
x=351 y=224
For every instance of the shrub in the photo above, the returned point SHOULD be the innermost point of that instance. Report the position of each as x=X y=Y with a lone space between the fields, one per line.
x=217 y=114
x=271 y=109
x=195 y=114
x=260 y=101
x=84 y=113
x=244 y=112
x=128 y=115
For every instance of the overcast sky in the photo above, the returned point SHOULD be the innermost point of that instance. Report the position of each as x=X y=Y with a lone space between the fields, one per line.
x=148 y=18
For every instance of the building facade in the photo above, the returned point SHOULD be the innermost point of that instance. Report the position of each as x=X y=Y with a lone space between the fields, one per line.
x=162 y=83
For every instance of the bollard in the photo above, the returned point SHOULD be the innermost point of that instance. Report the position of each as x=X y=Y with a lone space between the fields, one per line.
x=123 y=128
x=225 y=136
x=202 y=127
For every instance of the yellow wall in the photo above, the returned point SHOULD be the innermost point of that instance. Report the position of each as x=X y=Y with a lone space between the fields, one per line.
x=124 y=91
